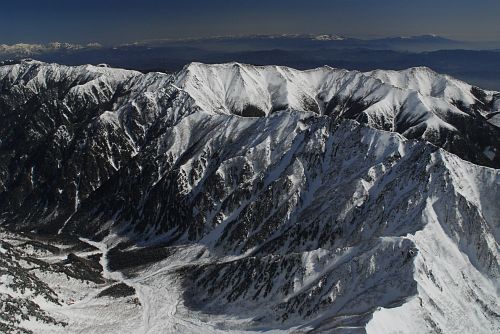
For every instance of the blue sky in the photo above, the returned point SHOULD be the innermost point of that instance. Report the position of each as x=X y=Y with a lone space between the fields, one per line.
x=116 y=21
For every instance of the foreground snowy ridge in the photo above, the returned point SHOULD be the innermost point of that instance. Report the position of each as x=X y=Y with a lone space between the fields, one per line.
x=237 y=198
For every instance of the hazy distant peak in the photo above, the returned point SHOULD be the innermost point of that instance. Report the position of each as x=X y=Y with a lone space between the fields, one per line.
x=328 y=38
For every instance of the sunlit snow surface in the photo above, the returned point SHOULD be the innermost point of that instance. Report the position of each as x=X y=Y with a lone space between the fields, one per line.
x=265 y=205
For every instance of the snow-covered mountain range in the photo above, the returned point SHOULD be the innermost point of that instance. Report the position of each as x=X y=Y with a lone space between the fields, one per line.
x=237 y=198
x=21 y=50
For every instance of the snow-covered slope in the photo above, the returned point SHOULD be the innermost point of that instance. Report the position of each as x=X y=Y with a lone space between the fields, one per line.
x=57 y=285
x=239 y=198
x=427 y=82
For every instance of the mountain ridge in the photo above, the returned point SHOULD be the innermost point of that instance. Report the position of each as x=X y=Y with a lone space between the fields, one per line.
x=313 y=210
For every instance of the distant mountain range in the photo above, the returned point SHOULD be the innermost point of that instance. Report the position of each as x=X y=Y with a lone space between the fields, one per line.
x=263 y=42
x=298 y=41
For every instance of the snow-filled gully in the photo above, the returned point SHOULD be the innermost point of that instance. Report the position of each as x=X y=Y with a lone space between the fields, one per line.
x=159 y=303
x=143 y=292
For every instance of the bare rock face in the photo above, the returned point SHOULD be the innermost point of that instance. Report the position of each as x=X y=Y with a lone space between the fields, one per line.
x=255 y=198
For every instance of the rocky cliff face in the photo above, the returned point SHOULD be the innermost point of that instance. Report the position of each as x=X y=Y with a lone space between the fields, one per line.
x=264 y=197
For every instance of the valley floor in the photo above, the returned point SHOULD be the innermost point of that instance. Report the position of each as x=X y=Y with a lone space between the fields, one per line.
x=73 y=290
